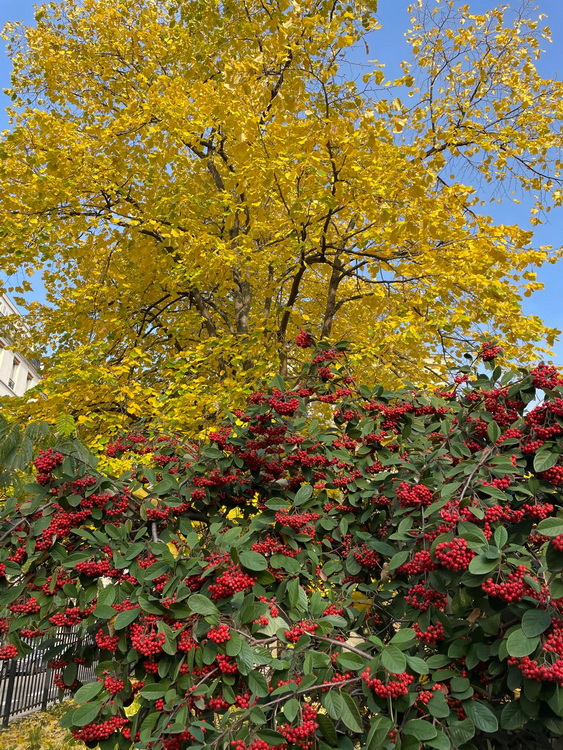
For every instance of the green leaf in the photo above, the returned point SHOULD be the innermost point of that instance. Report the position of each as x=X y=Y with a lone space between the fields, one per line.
x=277 y=503
x=393 y=659
x=258 y=684
x=398 y=559
x=535 y=622
x=417 y=664
x=303 y=494
x=164 y=486
x=481 y=564
x=87 y=692
x=420 y=729
x=155 y=571
x=350 y=661
x=148 y=723
x=545 y=459
x=234 y=644
x=274 y=624
x=438 y=706
x=518 y=644
x=462 y=731
x=403 y=637
x=378 y=734
x=251 y=609
x=153 y=691
x=126 y=618
x=501 y=536
x=440 y=742
x=291 y=709
x=554 y=559
x=245 y=658
x=550 y=527
x=296 y=595
x=104 y=612
x=333 y=703
x=481 y=715
x=327 y=728
x=289 y=564
x=85 y=714
x=257 y=716
x=202 y=605
x=493 y=431
x=351 y=713
x=65 y=424
x=271 y=737
x=253 y=560
x=107 y=595
x=512 y=716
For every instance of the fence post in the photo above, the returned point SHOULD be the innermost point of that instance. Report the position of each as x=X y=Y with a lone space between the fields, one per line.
x=9 y=693
x=46 y=688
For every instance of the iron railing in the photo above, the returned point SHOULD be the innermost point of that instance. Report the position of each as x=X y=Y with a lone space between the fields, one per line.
x=27 y=685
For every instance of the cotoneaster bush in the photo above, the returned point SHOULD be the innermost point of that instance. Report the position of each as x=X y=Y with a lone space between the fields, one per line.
x=337 y=567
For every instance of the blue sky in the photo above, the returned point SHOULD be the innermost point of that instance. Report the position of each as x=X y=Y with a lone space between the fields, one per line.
x=388 y=46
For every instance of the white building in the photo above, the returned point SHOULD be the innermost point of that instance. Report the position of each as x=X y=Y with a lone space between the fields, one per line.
x=17 y=373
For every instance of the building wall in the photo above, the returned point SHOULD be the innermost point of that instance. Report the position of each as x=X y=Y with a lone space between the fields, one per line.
x=17 y=373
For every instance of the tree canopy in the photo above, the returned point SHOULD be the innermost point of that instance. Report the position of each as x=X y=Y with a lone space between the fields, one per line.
x=197 y=180
x=386 y=578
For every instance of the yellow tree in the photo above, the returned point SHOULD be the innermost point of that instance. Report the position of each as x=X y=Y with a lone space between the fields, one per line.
x=198 y=180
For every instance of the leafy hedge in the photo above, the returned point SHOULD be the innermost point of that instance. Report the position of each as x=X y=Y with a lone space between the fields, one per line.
x=337 y=567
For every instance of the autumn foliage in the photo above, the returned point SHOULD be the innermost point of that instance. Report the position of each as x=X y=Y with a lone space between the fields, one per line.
x=336 y=566
x=197 y=180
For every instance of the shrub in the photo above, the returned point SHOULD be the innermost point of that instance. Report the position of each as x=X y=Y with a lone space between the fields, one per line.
x=336 y=567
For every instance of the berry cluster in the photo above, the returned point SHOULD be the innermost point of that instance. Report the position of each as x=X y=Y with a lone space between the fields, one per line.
x=421 y=562
x=413 y=496
x=421 y=597
x=303 y=734
x=396 y=686
x=100 y=731
x=454 y=555
x=546 y=377
x=93 y=568
x=255 y=745
x=71 y=616
x=106 y=642
x=533 y=670
x=554 y=475
x=557 y=542
x=490 y=351
x=511 y=590
x=296 y=631
x=8 y=651
x=44 y=464
x=303 y=339
x=432 y=634
x=226 y=664
x=146 y=640
x=220 y=634
x=29 y=607
x=112 y=684
x=230 y=581
x=272 y=546
x=367 y=558
x=300 y=522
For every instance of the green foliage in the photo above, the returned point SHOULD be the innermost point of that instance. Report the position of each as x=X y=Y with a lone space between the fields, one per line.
x=335 y=567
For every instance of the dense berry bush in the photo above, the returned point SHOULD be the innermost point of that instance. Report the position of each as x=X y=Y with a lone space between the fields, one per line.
x=336 y=567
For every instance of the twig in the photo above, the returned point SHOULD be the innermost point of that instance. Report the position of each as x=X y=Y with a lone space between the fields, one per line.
x=344 y=645
x=486 y=453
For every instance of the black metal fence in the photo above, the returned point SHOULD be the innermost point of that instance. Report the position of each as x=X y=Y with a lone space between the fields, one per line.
x=27 y=685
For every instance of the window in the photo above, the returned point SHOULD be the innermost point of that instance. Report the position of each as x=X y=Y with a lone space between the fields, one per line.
x=14 y=374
